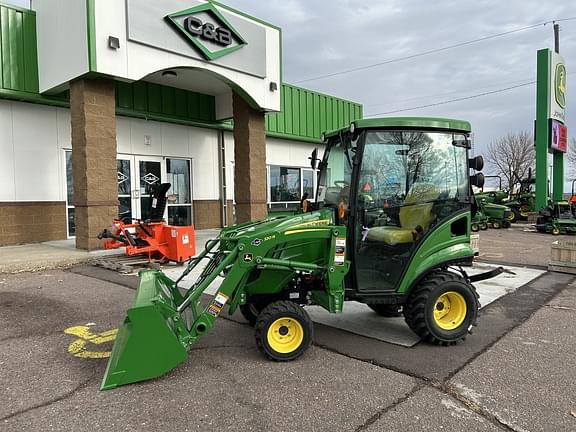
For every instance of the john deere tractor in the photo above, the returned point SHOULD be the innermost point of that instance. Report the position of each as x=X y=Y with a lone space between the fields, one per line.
x=389 y=227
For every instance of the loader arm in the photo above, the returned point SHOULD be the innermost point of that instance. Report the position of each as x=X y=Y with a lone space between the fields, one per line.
x=158 y=331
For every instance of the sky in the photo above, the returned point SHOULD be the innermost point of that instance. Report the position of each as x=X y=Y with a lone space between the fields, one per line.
x=327 y=36
x=321 y=37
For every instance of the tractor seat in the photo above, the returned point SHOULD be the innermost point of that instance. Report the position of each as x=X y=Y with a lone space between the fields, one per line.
x=415 y=217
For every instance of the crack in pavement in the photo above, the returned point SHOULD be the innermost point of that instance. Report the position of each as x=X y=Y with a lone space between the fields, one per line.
x=27 y=336
x=473 y=406
x=82 y=385
x=375 y=417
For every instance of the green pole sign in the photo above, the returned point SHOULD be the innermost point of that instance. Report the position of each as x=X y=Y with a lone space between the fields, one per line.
x=550 y=117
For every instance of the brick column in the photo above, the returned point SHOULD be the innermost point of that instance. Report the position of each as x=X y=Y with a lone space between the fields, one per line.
x=249 y=162
x=93 y=117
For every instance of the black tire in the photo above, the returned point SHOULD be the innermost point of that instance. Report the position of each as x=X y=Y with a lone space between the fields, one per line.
x=425 y=300
x=496 y=225
x=506 y=224
x=474 y=227
x=517 y=215
x=483 y=226
x=512 y=217
x=251 y=312
x=386 y=310
x=285 y=316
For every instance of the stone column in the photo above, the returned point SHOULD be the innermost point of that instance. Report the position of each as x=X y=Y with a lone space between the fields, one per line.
x=249 y=162
x=93 y=118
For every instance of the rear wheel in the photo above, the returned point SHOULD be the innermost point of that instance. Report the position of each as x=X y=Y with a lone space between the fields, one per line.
x=284 y=331
x=506 y=224
x=483 y=226
x=442 y=309
x=555 y=230
x=251 y=312
x=386 y=310
x=512 y=216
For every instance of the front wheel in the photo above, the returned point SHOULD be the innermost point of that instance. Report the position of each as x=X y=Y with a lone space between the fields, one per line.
x=496 y=225
x=284 y=331
x=555 y=231
x=474 y=227
x=442 y=309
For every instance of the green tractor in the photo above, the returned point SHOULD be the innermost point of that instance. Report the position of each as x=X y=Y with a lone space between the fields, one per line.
x=557 y=218
x=479 y=221
x=389 y=227
x=523 y=201
x=498 y=215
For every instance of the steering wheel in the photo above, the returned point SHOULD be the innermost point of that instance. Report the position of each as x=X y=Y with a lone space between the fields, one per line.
x=341 y=184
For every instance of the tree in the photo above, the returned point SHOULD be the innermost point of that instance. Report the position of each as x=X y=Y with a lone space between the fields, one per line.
x=511 y=157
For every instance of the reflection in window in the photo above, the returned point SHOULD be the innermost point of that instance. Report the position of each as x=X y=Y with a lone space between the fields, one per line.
x=70 y=195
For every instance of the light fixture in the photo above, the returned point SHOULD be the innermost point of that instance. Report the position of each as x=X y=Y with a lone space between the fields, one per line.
x=273 y=86
x=169 y=74
x=113 y=42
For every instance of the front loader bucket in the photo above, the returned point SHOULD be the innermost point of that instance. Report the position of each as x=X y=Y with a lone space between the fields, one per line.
x=148 y=344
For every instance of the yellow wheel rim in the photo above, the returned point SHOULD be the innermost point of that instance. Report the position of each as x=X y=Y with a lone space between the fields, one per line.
x=511 y=216
x=450 y=310
x=285 y=335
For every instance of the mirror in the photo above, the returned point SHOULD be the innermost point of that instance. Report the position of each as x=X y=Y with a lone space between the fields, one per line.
x=476 y=163
x=477 y=180
x=462 y=143
x=314 y=159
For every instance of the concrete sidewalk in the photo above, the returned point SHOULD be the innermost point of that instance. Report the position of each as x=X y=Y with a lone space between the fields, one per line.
x=63 y=254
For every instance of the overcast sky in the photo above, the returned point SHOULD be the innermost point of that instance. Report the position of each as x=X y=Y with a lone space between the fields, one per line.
x=326 y=36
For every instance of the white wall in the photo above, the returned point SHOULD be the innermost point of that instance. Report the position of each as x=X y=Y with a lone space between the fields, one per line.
x=33 y=139
x=31 y=159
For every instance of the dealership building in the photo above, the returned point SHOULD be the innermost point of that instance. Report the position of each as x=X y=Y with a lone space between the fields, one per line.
x=101 y=99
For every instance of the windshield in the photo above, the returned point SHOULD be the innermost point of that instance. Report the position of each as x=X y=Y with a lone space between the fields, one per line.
x=398 y=162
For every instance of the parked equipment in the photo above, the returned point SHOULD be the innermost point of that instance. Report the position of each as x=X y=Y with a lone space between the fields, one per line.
x=498 y=215
x=557 y=218
x=402 y=241
x=153 y=237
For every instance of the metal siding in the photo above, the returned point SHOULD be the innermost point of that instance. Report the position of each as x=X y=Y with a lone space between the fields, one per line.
x=309 y=115
x=287 y=111
x=30 y=53
x=302 y=113
x=168 y=100
x=180 y=103
x=295 y=111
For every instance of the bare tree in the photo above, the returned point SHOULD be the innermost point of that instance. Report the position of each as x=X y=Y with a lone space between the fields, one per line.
x=511 y=157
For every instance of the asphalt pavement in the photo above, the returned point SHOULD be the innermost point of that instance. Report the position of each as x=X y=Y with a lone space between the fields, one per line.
x=514 y=373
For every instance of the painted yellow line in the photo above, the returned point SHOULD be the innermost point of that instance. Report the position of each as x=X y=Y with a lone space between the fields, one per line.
x=78 y=347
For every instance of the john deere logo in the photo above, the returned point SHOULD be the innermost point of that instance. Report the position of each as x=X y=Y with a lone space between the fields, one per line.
x=207 y=31
x=560 y=85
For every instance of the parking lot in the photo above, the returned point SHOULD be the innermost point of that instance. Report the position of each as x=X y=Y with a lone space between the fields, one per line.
x=515 y=372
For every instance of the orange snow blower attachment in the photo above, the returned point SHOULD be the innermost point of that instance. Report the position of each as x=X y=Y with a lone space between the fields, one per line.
x=152 y=237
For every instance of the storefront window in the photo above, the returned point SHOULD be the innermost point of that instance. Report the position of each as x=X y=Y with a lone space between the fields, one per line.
x=70 y=195
x=288 y=184
x=179 y=194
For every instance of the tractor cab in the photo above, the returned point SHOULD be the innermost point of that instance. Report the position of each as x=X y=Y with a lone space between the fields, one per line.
x=401 y=186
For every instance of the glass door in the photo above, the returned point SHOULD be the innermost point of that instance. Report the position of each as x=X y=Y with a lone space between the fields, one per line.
x=149 y=173
x=125 y=179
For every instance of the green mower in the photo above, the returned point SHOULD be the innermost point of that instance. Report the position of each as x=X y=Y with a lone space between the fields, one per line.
x=389 y=227
x=557 y=218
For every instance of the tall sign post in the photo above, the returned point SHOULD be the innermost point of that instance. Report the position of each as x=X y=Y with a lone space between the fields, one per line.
x=551 y=133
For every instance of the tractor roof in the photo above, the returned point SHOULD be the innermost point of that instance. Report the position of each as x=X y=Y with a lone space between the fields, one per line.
x=408 y=122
